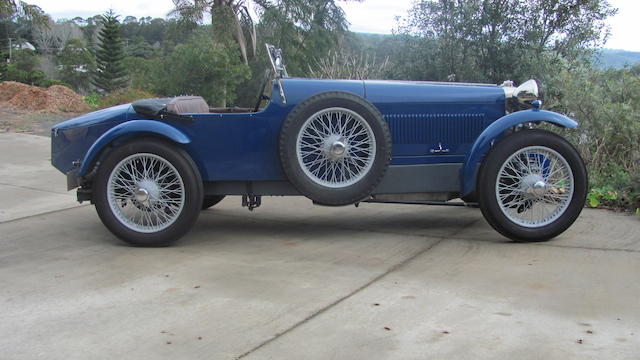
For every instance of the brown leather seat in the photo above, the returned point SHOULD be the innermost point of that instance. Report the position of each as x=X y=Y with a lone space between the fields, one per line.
x=187 y=105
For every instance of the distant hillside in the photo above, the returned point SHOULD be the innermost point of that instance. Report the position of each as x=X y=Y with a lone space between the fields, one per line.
x=603 y=59
x=607 y=58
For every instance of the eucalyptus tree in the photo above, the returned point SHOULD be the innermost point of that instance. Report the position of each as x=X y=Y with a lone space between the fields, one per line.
x=306 y=26
x=482 y=40
x=230 y=21
x=12 y=9
x=18 y=19
x=306 y=30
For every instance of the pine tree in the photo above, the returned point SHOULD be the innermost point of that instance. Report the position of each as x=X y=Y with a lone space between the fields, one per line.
x=110 y=73
x=3 y=66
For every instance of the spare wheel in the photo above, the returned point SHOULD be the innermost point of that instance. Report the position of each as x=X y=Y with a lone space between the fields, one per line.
x=335 y=148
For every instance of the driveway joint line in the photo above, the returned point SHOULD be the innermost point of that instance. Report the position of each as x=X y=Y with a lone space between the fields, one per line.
x=43 y=213
x=341 y=299
x=328 y=307
x=35 y=189
x=588 y=248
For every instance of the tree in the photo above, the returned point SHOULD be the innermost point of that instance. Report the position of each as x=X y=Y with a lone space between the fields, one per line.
x=90 y=28
x=480 y=40
x=10 y=10
x=76 y=63
x=138 y=47
x=304 y=29
x=230 y=21
x=201 y=67
x=18 y=19
x=110 y=71
x=52 y=38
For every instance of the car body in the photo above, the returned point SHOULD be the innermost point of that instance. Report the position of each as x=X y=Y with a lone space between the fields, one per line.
x=438 y=136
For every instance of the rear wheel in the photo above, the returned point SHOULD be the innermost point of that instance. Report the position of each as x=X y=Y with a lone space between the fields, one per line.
x=148 y=192
x=532 y=186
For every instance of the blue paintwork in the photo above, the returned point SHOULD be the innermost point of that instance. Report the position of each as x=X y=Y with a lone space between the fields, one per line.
x=422 y=117
x=468 y=174
x=128 y=129
x=108 y=115
x=71 y=139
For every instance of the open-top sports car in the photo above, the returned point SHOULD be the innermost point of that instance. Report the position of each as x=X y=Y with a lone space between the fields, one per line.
x=151 y=166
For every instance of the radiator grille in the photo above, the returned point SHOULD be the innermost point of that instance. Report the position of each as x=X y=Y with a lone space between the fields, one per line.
x=432 y=128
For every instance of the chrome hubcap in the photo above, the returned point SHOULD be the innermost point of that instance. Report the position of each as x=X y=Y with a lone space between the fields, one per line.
x=142 y=195
x=534 y=186
x=538 y=189
x=338 y=148
x=335 y=147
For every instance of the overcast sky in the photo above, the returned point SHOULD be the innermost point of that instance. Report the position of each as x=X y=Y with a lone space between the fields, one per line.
x=375 y=16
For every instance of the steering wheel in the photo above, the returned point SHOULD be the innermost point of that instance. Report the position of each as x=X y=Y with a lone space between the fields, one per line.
x=263 y=86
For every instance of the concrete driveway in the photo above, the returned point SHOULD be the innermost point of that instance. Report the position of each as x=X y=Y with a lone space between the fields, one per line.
x=296 y=281
x=28 y=183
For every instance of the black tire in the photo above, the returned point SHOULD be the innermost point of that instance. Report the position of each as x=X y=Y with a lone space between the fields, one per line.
x=368 y=180
x=490 y=205
x=192 y=187
x=210 y=201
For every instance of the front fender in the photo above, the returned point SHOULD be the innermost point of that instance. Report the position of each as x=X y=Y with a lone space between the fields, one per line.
x=469 y=171
x=134 y=127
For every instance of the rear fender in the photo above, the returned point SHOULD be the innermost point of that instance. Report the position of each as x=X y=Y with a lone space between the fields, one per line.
x=128 y=129
x=469 y=171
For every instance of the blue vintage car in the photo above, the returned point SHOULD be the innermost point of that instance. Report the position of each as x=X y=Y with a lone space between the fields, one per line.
x=151 y=166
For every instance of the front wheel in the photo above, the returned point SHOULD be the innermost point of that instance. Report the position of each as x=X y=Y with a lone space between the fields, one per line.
x=532 y=186
x=148 y=192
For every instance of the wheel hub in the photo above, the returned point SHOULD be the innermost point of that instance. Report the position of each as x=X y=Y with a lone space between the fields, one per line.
x=146 y=191
x=338 y=148
x=142 y=195
x=335 y=147
x=534 y=185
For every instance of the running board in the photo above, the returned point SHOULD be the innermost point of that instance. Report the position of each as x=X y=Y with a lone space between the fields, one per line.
x=424 y=202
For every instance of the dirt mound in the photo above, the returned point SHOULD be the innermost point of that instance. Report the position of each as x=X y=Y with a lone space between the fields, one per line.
x=33 y=98
x=66 y=100
x=9 y=89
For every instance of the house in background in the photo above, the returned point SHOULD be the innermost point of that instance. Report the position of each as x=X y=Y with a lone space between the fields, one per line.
x=23 y=45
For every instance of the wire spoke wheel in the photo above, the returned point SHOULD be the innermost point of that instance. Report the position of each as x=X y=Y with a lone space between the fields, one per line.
x=145 y=193
x=534 y=186
x=336 y=147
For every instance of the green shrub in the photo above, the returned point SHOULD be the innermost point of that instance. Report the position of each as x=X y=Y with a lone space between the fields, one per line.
x=614 y=187
x=50 y=82
x=123 y=97
x=93 y=100
x=200 y=67
x=606 y=105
